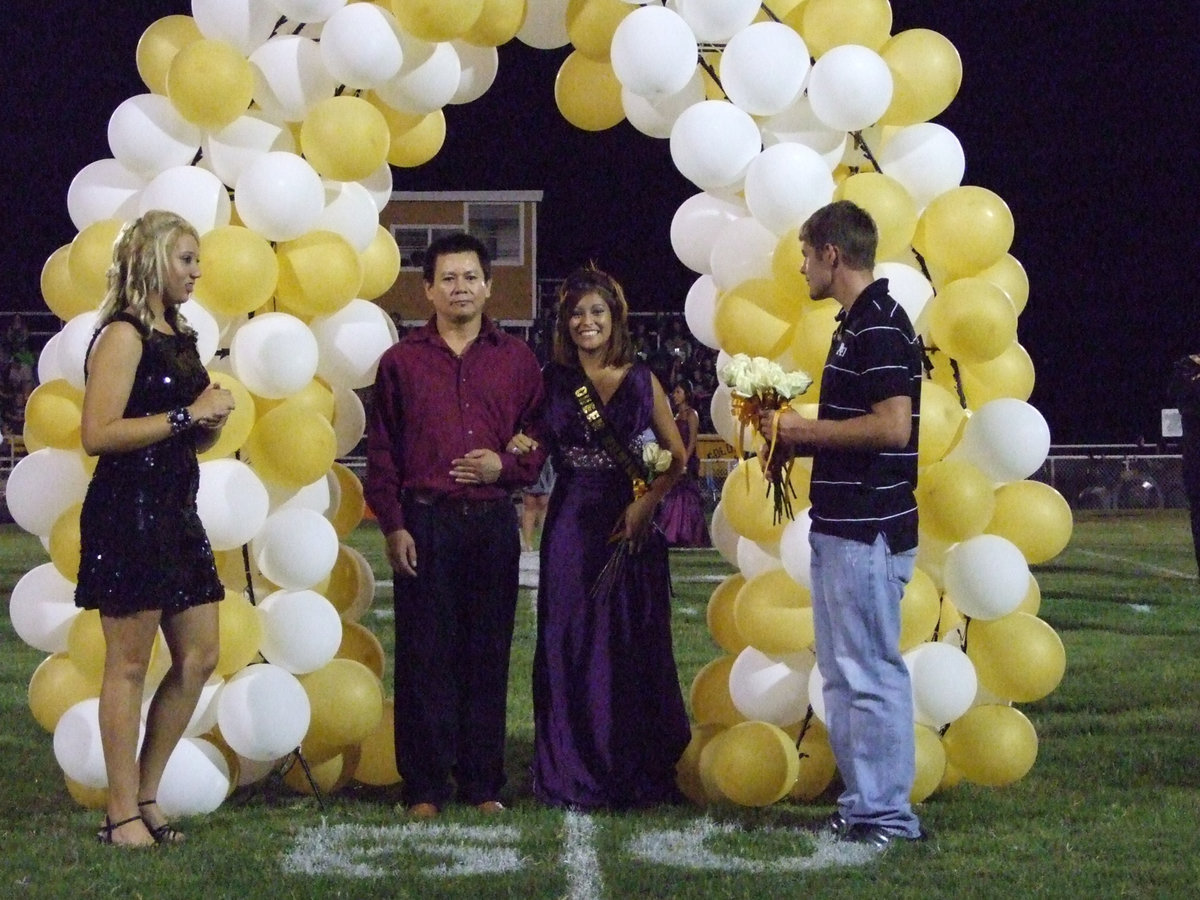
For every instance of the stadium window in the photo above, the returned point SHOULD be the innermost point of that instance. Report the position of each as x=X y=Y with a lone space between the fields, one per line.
x=413 y=239
x=500 y=227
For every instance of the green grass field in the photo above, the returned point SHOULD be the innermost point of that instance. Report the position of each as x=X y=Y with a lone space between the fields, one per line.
x=1110 y=809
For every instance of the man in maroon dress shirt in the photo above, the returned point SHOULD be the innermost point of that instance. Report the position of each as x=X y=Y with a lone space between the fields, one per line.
x=447 y=399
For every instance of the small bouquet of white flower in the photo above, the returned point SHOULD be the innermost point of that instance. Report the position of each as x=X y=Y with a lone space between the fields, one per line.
x=758 y=384
x=656 y=460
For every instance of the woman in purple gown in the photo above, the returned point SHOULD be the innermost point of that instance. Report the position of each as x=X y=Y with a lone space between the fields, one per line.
x=680 y=516
x=609 y=719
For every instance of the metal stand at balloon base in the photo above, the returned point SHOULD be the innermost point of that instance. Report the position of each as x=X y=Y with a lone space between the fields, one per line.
x=290 y=760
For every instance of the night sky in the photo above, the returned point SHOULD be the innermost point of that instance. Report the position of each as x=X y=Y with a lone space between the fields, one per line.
x=1076 y=114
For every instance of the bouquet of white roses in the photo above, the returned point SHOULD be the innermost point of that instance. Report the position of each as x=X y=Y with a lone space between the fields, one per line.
x=758 y=384
x=656 y=460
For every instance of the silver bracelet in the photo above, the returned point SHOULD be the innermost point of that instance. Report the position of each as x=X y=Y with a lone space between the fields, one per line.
x=179 y=419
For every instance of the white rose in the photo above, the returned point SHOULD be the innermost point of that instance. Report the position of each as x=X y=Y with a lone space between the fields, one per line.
x=734 y=371
x=762 y=374
x=793 y=384
x=662 y=461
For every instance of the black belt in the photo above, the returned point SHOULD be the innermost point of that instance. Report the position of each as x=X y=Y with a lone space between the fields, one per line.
x=457 y=506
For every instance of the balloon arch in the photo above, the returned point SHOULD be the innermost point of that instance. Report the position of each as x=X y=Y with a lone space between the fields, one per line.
x=272 y=125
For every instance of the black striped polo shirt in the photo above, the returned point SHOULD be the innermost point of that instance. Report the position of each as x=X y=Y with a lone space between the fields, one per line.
x=874 y=355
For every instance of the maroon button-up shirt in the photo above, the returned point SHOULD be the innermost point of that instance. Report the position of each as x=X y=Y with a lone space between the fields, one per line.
x=431 y=406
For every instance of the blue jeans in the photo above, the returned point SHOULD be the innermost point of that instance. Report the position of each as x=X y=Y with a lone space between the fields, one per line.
x=856 y=590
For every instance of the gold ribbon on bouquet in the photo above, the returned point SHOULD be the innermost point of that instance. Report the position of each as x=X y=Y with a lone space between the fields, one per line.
x=746 y=412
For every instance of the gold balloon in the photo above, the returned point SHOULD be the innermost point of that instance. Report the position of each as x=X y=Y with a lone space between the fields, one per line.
x=345 y=138
x=1018 y=657
x=330 y=774
x=955 y=499
x=240 y=271
x=941 y=417
x=380 y=265
x=721 y=622
x=811 y=339
x=52 y=415
x=64 y=542
x=817 y=765
x=889 y=204
x=415 y=139
x=591 y=24
x=437 y=20
x=1035 y=517
x=352 y=505
x=972 y=320
x=1008 y=274
x=240 y=633
x=90 y=256
x=64 y=297
x=343 y=583
x=240 y=423
x=58 y=684
x=926 y=75
x=825 y=24
x=742 y=325
x=931 y=763
x=774 y=613
x=314 y=396
x=1032 y=601
x=991 y=745
x=87 y=797
x=319 y=273
x=210 y=83
x=920 y=607
x=291 y=446
x=709 y=695
x=964 y=230
x=347 y=705
x=588 y=93
x=785 y=268
x=748 y=509
x=158 y=46
x=751 y=763
x=85 y=645
x=1008 y=375
x=377 y=752
x=360 y=644
x=498 y=23
x=687 y=770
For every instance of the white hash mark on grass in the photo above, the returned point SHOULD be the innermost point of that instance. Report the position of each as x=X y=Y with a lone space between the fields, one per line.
x=686 y=849
x=584 y=881
x=1137 y=564
x=360 y=851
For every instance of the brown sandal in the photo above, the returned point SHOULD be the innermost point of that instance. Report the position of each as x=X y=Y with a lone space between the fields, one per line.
x=166 y=833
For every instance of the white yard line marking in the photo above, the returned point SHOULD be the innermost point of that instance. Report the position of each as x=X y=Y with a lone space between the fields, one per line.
x=1158 y=570
x=579 y=857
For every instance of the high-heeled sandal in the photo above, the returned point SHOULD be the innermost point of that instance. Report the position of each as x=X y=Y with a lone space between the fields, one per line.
x=105 y=834
x=166 y=833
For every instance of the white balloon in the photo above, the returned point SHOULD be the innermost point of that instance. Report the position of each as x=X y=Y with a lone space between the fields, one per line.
x=771 y=688
x=42 y=608
x=763 y=68
x=654 y=116
x=314 y=496
x=986 y=576
x=204 y=716
x=742 y=251
x=280 y=196
x=42 y=486
x=713 y=143
x=943 y=683
x=545 y=25
x=189 y=191
x=301 y=630
x=379 y=185
x=798 y=125
x=717 y=20
x=232 y=502
x=263 y=712
x=229 y=151
x=816 y=693
x=1007 y=439
x=208 y=331
x=195 y=780
x=349 y=420
x=479 y=68
x=721 y=410
x=290 y=77
x=308 y=10
x=926 y=158
x=699 y=309
x=49 y=368
x=147 y=135
x=72 y=346
x=295 y=548
x=794 y=549
x=244 y=23
x=103 y=189
x=785 y=184
x=724 y=538
x=274 y=355
x=654 y=52
x=77 y=747
x=696 y=225
x=907 y=286
x=754 y=558
x=427 y=80
x=350 y=342
x=850 y=87
x=350 y=212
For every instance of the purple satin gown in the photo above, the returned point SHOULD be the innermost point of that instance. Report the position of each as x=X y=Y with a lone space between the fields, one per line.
x=680 y=516
x=609 y=719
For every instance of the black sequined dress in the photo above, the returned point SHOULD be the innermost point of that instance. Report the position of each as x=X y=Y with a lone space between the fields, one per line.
x=142 y=543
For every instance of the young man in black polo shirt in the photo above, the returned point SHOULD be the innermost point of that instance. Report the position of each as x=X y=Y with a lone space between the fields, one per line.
x=864 y=523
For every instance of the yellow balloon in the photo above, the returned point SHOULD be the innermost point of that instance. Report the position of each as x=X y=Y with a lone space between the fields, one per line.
x=751 y=763
x=817 y=765
x=825 y=24
x=377 y=752
x=941 y=416
x=360 y=644
x=345 y=138
x=587 y=93
x=1008 y=274
x=1035 y=517
x=330 y=774
x=351 y=506
x=87 y=797
x=931 y=763
x=498 y=23
x=972 y=320
x=437 y=20
x=748 y=509
x=58 y=684
x=64 y=542
x=955 y=500
x=380 y=265
x=774 y=613
x=712 y=87
x=950 y=618
x=785 y=268
x=291 y=446
x=85 y=645
x=319 y=273
x=964 y=230
x=744 y=326
x=709 y=694
x=1008 y=375
x=591 y=24
x=687 y=769
x=64 y=297
x=158 y=46
x=347 y=704
x=773 y=298
x=991 y=745
x=926 y=75
x=1018 y=657
x=778 y=8
x=719 y=615
x=890 y=205
x=415 y=139
x=240 y=271
x=1032 y=601
x=314 y=396
x=52 y=415
x=210 y=83
x=920 y=607
x=240 y=633
x=344 y=582
x=952 y=776
x=90 y=256
x=240 y=423
x=811 y=339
